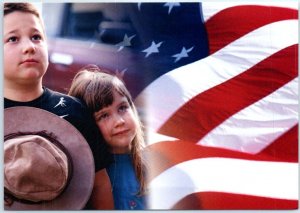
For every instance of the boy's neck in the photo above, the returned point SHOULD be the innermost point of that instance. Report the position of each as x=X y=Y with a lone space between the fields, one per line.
x=23 y=94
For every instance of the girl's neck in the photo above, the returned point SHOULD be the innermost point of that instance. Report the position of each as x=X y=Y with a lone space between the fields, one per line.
x=118 y=151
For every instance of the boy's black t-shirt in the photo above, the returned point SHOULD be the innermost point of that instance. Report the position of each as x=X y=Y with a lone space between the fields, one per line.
x=75 y=112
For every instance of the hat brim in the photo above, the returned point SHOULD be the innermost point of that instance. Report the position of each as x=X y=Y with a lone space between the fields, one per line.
x=77 y=193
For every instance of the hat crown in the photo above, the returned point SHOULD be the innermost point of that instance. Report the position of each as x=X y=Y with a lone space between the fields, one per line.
x=34 y=168
x=24 y=120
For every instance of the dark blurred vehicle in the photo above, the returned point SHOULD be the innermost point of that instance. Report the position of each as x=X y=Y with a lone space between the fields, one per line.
x=86 y=33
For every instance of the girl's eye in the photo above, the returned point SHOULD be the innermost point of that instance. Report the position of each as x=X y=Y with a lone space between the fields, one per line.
x=123 y=108
x=103 y=117
x=36 y=37
x=12 y=39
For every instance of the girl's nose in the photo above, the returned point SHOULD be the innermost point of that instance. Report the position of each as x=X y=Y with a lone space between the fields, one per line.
x=28 y=47
x=119 y=120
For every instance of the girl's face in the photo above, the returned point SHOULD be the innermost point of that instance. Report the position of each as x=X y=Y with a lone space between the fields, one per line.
x=25 y=49
x=117 y=124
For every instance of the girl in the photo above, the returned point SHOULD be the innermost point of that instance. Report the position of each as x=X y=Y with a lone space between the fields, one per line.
x=117 y=119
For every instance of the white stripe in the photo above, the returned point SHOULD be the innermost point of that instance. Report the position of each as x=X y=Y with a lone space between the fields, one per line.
x=255 y=127
x=210 y=9
x=153 y=137
x=267 y=179
x=169 y=92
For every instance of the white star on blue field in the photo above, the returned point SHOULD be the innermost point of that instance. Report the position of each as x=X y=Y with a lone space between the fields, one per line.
x=125 y=43
x=152 y=49
x=171 y=5
x=183 y=54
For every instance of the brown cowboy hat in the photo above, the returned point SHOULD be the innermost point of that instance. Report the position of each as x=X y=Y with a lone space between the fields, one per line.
x=48 y=165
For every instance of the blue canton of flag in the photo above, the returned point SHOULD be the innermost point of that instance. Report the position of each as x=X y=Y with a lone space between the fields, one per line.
x=167 y=36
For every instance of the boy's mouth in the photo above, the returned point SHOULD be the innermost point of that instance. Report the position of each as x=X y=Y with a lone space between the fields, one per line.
x=29 y=61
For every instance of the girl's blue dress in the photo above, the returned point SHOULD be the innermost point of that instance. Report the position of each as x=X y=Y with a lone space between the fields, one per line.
x=125 y=184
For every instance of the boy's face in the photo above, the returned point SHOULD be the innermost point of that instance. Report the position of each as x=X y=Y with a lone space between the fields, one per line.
x=25 y=49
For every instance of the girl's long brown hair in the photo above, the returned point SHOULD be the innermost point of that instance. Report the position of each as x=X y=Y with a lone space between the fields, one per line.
x=95 y=88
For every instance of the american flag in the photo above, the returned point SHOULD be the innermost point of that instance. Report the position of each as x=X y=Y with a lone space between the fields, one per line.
x=218 y=83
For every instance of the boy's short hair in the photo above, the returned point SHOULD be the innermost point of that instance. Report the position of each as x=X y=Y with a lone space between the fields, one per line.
x=21 y=7
x=25 y=8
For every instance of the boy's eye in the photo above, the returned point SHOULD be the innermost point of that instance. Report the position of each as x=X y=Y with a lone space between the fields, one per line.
x=12 y=39
x=36 y=37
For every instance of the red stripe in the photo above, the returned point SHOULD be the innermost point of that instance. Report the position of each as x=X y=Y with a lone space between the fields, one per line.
x=232 y=23
x=229 y=201
x=285 y=147
x=209 y=109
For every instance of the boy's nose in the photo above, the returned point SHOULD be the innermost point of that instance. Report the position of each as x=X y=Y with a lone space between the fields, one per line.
x=28 y=47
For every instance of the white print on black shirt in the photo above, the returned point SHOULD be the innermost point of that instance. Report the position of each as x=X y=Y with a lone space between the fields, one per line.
x=62 y=116
x=61 y=102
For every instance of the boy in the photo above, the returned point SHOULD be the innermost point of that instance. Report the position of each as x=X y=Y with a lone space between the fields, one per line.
x=25 y=63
